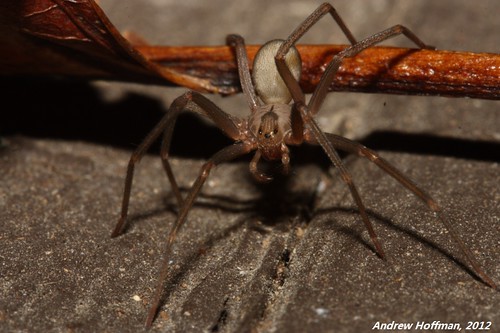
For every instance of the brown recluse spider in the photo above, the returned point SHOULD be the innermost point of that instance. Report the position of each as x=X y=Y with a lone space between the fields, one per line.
x=273 y=124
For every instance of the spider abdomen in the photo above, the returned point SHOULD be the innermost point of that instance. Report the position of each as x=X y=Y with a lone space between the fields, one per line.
x=269 y=85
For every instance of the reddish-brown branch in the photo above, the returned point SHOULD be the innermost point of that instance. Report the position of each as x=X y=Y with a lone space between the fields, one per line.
x=379 y=69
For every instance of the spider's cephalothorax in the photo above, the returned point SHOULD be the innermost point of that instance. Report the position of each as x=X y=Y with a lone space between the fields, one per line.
x=270 y=123
x=273 y=124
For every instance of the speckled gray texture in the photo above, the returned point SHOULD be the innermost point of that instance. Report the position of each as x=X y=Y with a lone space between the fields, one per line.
x=263 y=258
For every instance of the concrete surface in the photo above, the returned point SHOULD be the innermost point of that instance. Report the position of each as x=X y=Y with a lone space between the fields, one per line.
x=291 y=256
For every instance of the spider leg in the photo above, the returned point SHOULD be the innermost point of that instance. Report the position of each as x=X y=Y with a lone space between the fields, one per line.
x=134 y=159
x=224 y=121
x=321 y=139
x=164 y=151
x=238 y=43
x=347 y=145
x=326 y=79
x=311 y=20
x=224 y=155
x=259 y=176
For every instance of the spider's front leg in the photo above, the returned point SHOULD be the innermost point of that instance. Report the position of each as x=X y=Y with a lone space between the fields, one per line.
x=331 y=70
x=224 y=155
x=314 y=135
x=166 y=125
x=356 y=47
x=311 y=20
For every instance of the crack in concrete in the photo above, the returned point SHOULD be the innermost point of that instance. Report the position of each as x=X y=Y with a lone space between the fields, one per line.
x=305 y=214
x=223 y=315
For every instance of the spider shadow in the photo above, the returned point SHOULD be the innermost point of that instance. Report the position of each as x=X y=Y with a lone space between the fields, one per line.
x=262 y=209
x=354 y=233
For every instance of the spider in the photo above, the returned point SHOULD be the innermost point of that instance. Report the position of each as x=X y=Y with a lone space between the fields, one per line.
x=279 y=117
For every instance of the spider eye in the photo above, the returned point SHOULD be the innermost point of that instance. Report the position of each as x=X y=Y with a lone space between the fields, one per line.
x=260 y=131
x=275 y=131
